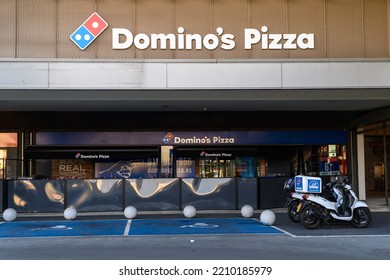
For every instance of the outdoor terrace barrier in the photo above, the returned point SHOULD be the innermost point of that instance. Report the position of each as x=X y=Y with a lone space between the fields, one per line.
x=100 y=195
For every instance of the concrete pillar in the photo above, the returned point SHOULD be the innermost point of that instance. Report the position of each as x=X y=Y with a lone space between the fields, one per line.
x=361 y=167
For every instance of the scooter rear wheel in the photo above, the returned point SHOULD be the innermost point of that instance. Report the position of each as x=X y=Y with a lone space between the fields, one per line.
x=361 y=217
x=292 y=213
x=309 y=219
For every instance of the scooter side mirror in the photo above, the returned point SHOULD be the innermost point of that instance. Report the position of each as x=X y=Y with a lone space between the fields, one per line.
x=339 y=179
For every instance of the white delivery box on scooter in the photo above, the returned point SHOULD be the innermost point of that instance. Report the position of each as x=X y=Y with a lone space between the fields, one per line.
x=306 y=184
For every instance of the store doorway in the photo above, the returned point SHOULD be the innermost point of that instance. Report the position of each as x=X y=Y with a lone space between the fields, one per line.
x=216 y=168
x=377 y=161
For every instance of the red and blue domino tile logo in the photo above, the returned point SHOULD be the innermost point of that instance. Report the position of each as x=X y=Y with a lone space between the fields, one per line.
x=167 y=138
x=89 y=31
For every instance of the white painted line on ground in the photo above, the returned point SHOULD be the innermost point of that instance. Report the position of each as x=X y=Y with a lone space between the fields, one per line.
x=338 y=236
x=332 y=236
x=127 y=228
x=286 y=232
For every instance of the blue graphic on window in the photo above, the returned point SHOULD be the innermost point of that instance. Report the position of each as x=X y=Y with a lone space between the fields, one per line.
x=127 y=169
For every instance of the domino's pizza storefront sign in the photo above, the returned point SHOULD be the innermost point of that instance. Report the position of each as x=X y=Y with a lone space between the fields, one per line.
x=306 y=184
x=86 y=33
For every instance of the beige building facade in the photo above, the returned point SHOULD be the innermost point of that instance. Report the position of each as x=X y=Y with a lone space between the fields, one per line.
x=342 y=29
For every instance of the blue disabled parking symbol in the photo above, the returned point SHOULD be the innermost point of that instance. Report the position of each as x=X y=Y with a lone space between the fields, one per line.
x=200 y=225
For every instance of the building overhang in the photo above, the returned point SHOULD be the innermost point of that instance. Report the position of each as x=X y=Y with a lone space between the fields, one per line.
x=194 y=85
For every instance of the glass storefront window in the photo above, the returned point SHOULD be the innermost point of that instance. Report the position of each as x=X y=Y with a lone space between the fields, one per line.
x=8 y=155
x=3 y=160
x=267 y=161
x=145 y=168
x=185 y=167
x=245 y=167
x=242 y=167
x=215 y=168
x=261 y=167
x=325 y=160
x=314 y=160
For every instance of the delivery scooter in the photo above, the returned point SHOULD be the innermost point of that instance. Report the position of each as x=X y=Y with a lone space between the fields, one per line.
x=345 y=207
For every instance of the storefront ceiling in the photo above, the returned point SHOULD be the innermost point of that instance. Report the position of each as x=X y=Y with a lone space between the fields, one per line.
x=377 y=129
x=359 y=100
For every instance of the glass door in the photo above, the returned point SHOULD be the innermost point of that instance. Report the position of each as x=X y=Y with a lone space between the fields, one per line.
x=216 y=168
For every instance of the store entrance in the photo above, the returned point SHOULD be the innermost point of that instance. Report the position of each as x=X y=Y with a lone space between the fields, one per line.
x=216 y=168
x=377 y=159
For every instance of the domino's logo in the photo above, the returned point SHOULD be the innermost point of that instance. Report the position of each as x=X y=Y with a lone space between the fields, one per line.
x=89 y=31
x=314 y=185
x=167 y=138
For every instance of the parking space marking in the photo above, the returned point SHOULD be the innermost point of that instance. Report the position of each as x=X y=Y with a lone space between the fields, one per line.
x=341 y=235
x=178 y=226
x=330 y=235
x=286 y=232
x=135 y=227
x=200 y=226
x=62 y=228
x=127 y=228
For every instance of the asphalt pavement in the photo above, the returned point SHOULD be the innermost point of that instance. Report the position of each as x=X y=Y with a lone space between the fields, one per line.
x=290 y=242
x=208 y=236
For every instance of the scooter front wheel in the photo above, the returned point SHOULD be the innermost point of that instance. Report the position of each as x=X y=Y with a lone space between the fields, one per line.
x=309 y=219
x=361 y=217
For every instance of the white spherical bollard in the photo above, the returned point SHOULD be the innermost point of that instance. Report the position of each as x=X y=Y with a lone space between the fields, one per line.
x=267 y=217
x=9 y=214
x=189 y=211
x=70 y=213
x=247 y=211
x=130 y=212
